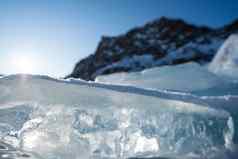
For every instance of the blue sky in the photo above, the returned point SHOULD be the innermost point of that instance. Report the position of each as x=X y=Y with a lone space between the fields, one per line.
x=50 y=36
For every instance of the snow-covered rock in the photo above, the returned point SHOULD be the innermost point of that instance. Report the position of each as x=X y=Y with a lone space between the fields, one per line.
x=165 y=41
x=226 y=59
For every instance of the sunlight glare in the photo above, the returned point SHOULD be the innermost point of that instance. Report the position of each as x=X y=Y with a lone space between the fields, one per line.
x=23 y=64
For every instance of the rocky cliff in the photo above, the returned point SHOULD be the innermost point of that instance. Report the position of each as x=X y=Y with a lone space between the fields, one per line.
x=161 y=42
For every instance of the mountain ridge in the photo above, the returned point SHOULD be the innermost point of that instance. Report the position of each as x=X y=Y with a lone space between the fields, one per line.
x=163 y=41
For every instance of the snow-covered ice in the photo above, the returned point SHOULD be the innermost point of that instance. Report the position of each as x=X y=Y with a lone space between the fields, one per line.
x=190 y=77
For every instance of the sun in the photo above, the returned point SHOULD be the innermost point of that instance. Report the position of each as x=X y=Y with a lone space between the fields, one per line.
x=23 y=64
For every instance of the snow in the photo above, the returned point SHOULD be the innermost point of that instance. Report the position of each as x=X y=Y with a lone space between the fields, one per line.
x=225 y=62
x=186 y=77
x=70 y=119
x=130 y=62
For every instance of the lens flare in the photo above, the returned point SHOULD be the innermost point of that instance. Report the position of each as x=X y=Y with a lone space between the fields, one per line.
x=23 y=65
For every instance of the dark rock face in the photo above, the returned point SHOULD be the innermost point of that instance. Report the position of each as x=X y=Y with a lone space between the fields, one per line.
x=160 y=42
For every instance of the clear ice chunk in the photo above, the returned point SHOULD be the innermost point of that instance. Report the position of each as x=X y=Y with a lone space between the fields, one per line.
x=75 y=119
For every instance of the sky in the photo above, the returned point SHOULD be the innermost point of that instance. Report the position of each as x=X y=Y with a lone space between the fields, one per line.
x=49 y=36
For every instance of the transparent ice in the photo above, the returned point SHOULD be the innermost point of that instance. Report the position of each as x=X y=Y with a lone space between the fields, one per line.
x=56 y=119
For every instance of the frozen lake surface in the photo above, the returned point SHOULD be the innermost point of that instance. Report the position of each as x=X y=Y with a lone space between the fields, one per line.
x=179 y=112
